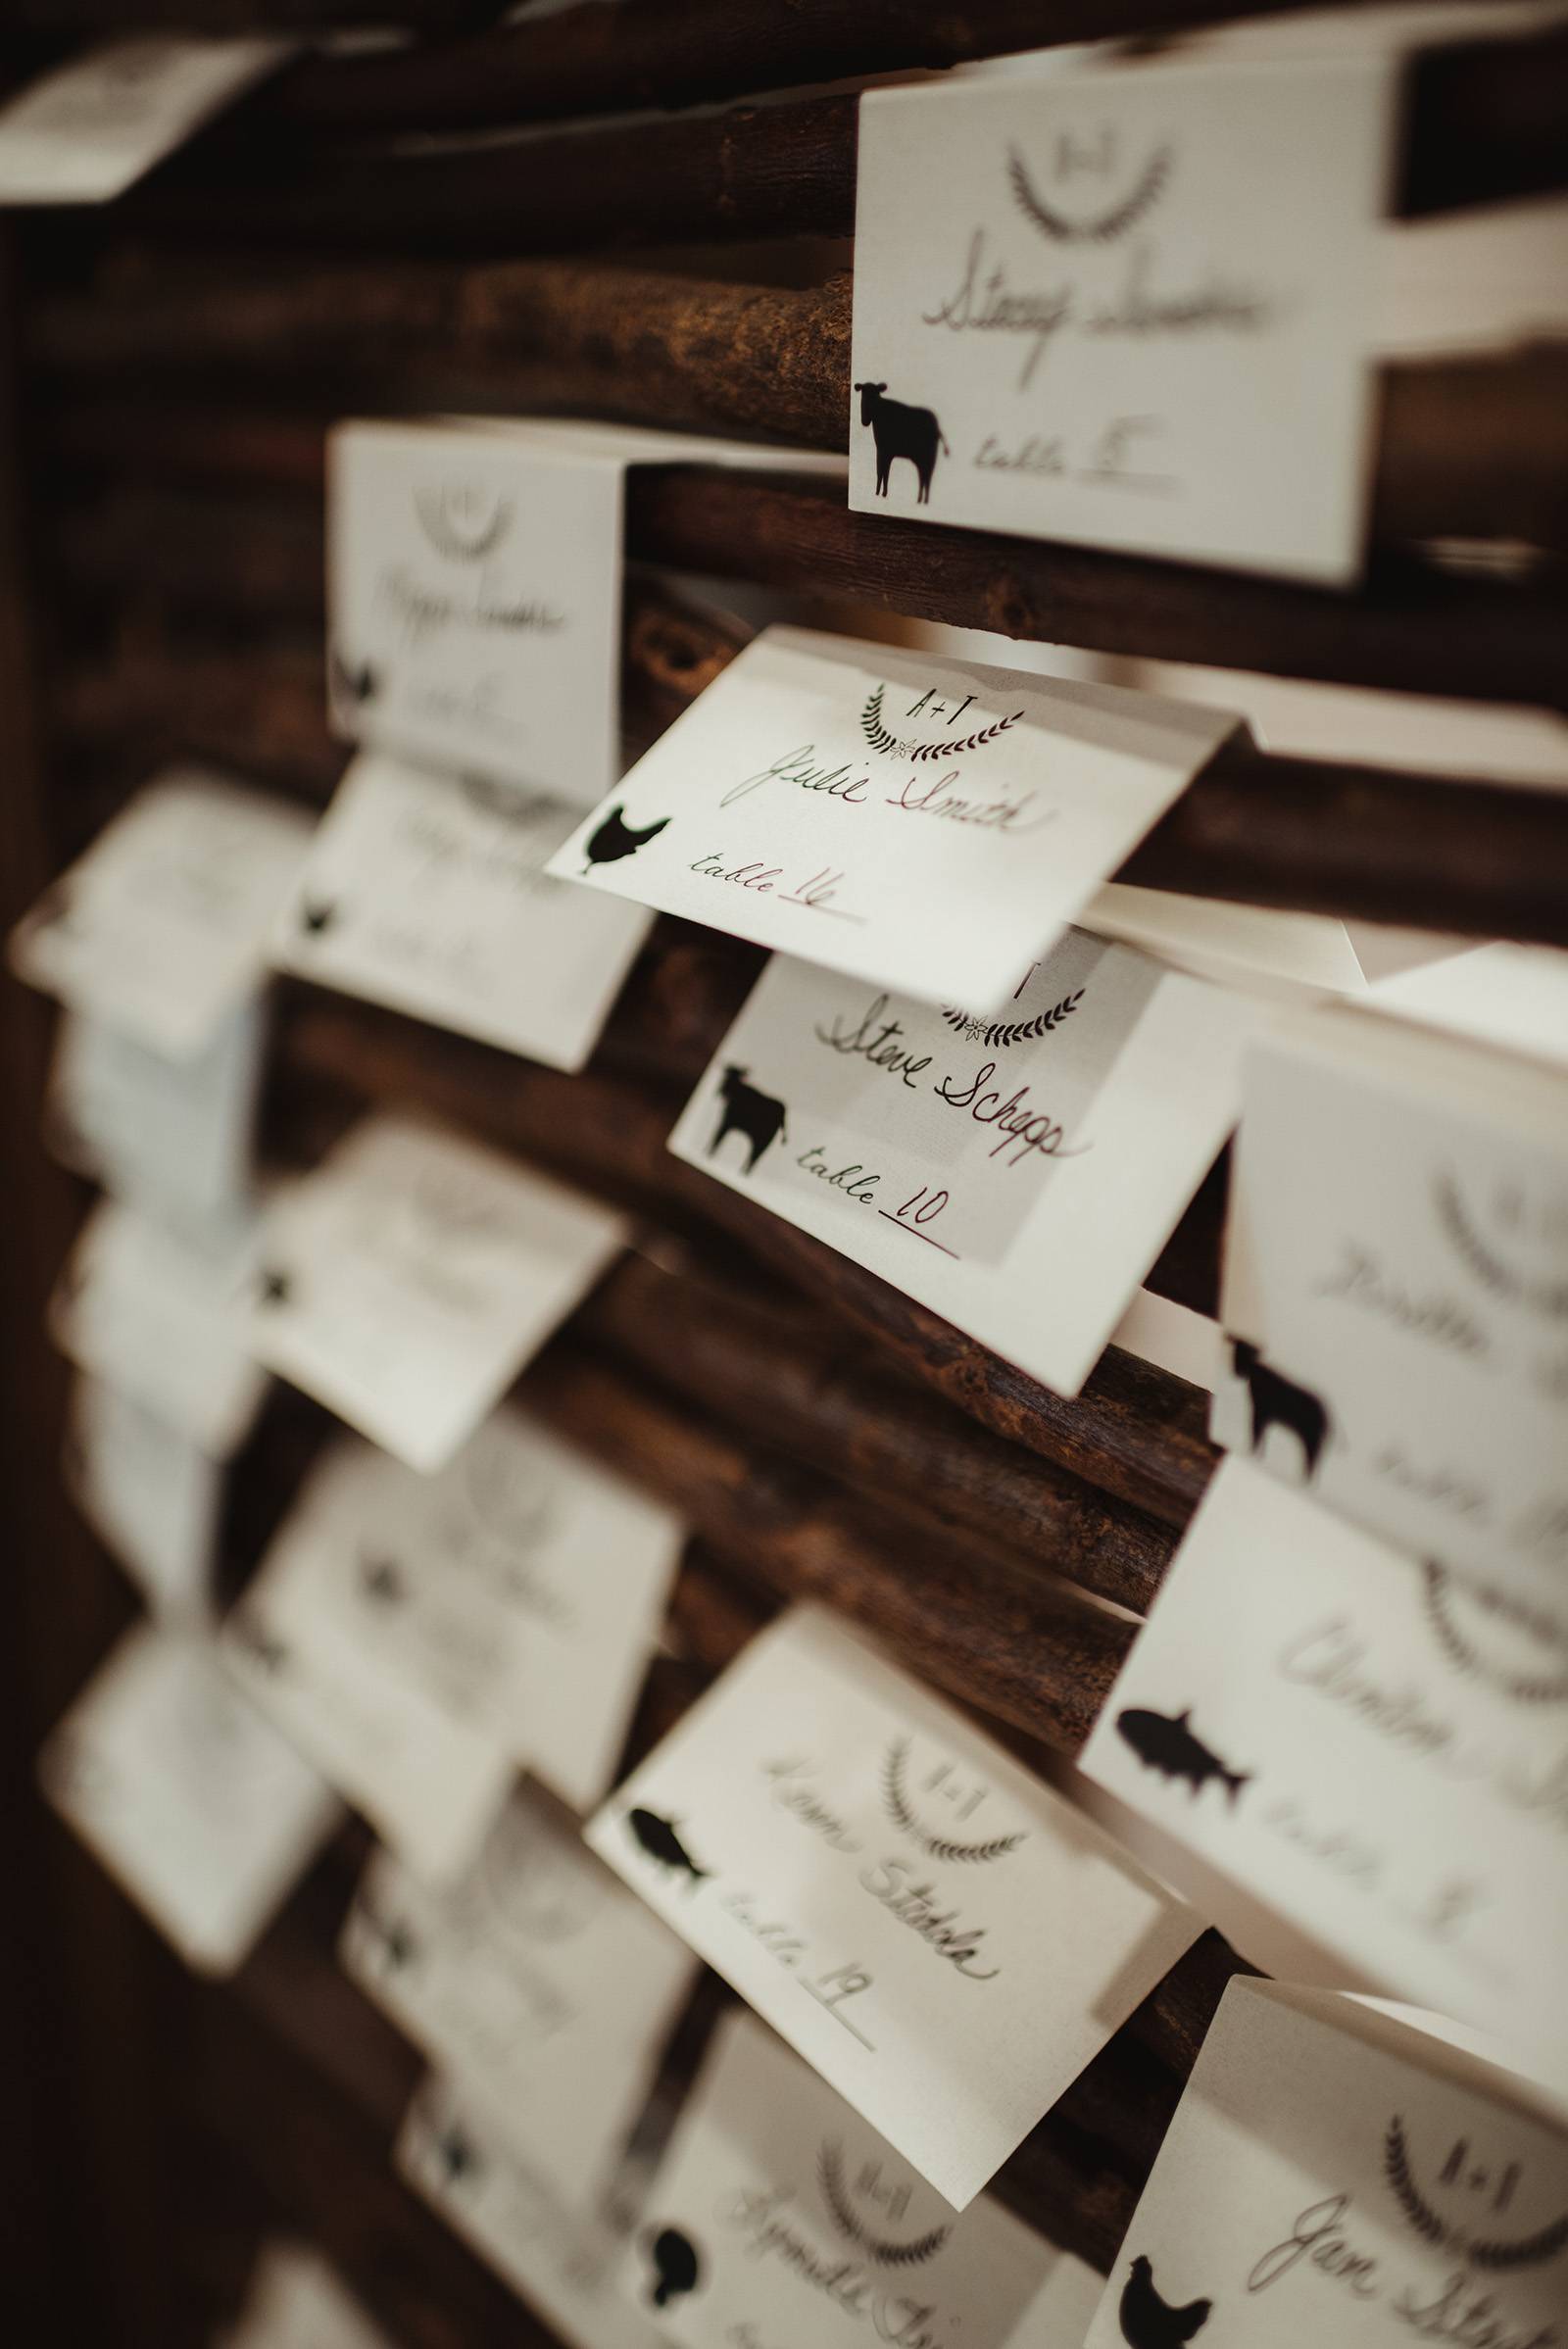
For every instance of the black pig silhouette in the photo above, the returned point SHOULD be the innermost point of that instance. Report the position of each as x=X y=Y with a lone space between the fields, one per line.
x=1277 y=1401
x=757 y=1116
x=899 y=430
x=1147 y=2323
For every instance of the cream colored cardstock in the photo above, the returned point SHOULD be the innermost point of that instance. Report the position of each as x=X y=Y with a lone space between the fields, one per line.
x=85 y=132
x=943 y=1937
x=297 y=2300
x=151 y=1495
x=926 y=824
x=408 y=1279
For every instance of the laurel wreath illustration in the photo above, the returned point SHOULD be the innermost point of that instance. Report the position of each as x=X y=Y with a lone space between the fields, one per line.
x=431 y=506
x=1106 y=226
x=936 y=1847
x=1466 y=1657
x=830 y=2177
x=1528 y=2251
x=1547 y=1296
x=1003 y=1031
x=895 y=746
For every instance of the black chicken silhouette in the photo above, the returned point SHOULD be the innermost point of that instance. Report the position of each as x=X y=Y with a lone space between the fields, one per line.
x=615 y=838
x=1146 y=2320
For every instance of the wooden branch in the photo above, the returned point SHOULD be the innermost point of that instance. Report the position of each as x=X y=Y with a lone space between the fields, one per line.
x=1483 y=122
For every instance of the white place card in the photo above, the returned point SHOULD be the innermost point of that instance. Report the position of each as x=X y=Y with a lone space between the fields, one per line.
x=455 y=2151
x=474 y=579
x=150 y=1494
x=1335 y=2176
x=430 y=1784
x=1287 y=956
x=906 y=1136
x=150 y=1312
x=521 y=1589
x=173 y=1137
x=538 y=1977
x=927 y=824
x=409 y=1278
x=778 y=2216
x=1396 y=1289
x=297 y=2300
x=429 y=891
x=1134 y=306
x=161 y=929
x=1364 y=1744
x=83 y=133
x=197 y=1807
x=1515 y=996
x=946 y=1939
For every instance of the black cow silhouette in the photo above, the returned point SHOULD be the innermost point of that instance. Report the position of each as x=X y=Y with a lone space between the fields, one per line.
x=898 y=431
x=1147 y=2322
x=679 y=2265
x=615 y=838
x=1278 y=1401
x=757 y=1116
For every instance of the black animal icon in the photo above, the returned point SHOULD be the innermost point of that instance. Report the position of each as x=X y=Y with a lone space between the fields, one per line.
x=757 y=1116
x=359 y=684
x=314 y=920
x=899 y=430
x=274 y=1286
x=659 y=1839
x=1277 y=1401
x=615 y=838
x=1147 y=2322
x=679 y=2263
x=1170 y=1746
x=381 y=1582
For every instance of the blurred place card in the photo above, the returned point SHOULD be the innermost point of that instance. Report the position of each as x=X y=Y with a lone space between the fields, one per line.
x=150 y=1494
x=83 y=133
x=1333 y=2174
x=925 y=824
x=297 y=2300
x=429 y=891
x=203 y=1814
x=906 y=1136
x=778 y=2216
x=521 y=1589
x=161 y=929
x=1286 y=956
x=474 y=579
x=1515 y=996
x=1129 y=308
x=1396 y=1289
x=867 y=1869
x=172 y=1136
x=456 y=2152
x=150 y=1312
x=1365 y=1744
x=406 y=1280
x=538 y=1977
x=431 y=1784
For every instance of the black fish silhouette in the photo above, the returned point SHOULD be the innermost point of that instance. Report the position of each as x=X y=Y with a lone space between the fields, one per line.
x=615 y=838
x=676 y=2258
x=1170 y=1746
x=1147 y=2322
x=659 y=1840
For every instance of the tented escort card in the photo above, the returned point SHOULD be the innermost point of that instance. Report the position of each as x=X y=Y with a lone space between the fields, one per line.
x=1283 y=956
x=150 y=1313
x=454 y=2150
x=778 y=2216
x=521 y=1588
x=429 y=891
x=923 y=823
x=1335 y=2176
x=149 y=1492
x=1396 y=1289
x=1124 y=306
x=906 y=1136
x=161 y=929
x=173 y=1137
x=1368 y=1745
x=408 y=1279
x=301 y=1643
x=189 y=1798
x=83 y=133
x=296 y=2301
x=538 y=1977
x=946 y=1939
x=474 y=579
x=1515 y=996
